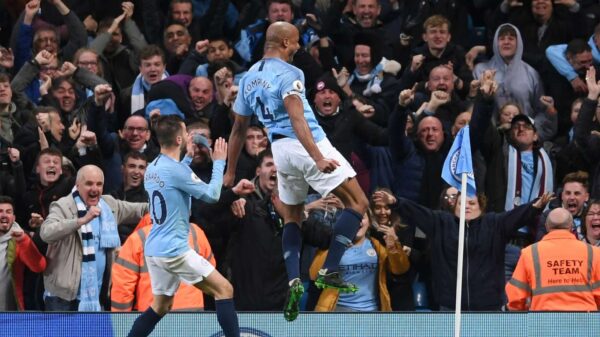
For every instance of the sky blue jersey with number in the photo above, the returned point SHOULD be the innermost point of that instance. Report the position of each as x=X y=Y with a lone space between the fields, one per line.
x=263 y=90
x=171 y=185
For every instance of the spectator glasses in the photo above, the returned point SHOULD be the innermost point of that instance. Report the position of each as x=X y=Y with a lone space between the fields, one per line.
x=132 y=129
x=450 y=196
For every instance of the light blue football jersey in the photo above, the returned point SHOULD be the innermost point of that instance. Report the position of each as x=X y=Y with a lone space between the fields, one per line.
x=170 y=185
x=262 y=91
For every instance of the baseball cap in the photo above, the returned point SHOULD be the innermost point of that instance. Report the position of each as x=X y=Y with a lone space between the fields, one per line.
x=523 y=118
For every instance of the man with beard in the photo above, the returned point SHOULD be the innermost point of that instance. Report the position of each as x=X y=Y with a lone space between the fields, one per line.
x=176 y=39
x=81 y=232
x=364 y=17
x=171 y=185
x=132 y=189
x=274 y=90
x=201 y=94
x=574 y=197
x=251 y=44
x=340 y=120
x=17 y=251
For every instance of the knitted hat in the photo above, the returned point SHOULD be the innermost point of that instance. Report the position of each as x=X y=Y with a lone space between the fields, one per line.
x=374 y=42
x=327 y=81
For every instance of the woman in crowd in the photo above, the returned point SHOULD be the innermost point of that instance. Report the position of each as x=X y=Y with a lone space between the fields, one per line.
x=486 y=234
x=366 y=264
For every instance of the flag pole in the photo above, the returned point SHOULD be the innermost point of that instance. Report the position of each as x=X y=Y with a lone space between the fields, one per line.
x=461 y=249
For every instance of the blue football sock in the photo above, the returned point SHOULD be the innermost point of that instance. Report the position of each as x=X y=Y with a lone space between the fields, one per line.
x=291 y=240
x=344 y=231
x=144 y=324
x=227 y=317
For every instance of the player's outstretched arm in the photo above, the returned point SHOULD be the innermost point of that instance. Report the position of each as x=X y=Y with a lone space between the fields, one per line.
x=294 y=107
x=236 y=141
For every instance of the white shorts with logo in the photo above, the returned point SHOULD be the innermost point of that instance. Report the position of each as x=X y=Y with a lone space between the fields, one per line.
x=167 y=272
x=296 y=170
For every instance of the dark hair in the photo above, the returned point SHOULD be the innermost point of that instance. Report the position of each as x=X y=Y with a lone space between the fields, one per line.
x=585 y=213
x=481 y=199
x=50 y=151
x=167 y=130
x=577 y=46
x=173 y=2
x=5 y=199
x=266 y=153
x=577 y=177
x=213 y=67
x=134 y=155
x=287 y=2
x=507 y=30
x=220 y=37
x=443 y=203
x=4 y=78
x=150 y=51
x=60 y=80
x=175 y=23
x=395 y=219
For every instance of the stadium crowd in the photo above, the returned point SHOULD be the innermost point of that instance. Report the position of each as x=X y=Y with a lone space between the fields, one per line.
x=391 y=82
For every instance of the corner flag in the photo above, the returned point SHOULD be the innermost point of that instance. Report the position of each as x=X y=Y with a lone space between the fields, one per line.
x=459 y=161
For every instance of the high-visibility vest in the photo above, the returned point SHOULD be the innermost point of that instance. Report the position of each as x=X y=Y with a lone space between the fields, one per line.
x=559 y=273
x=131 y=288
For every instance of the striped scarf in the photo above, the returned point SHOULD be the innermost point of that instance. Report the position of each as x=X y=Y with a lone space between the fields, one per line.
x=89 y=299
x=138 y=88
x=542 y=181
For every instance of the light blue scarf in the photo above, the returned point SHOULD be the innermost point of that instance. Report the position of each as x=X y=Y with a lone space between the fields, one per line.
x=89 y=289
x=374 y=81
x=137 y=92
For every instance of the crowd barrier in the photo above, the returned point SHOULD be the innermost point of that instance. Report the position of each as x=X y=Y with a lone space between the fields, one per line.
x=205 y=324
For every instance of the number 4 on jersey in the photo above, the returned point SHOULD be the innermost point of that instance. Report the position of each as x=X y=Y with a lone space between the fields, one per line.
x=264 y=110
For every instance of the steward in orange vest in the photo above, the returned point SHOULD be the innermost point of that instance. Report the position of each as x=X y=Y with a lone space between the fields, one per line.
x=131 y=289
x=559 y=273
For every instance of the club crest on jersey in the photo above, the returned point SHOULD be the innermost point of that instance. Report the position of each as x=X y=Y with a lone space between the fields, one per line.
x=298 y=86
x=195 y=178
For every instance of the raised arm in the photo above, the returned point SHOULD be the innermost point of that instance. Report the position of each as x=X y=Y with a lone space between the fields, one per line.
x=236 y=142
x=77 y=32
